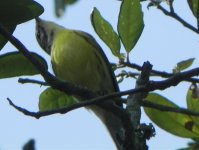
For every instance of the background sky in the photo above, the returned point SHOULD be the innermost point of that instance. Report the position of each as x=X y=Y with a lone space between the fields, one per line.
x=164 y=42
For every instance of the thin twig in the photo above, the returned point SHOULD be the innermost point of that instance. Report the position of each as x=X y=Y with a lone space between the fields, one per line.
x=178 y=18
x=75 y=106
x=171 y=6
x=23 y=81
x=126 y=74
x=175 y=79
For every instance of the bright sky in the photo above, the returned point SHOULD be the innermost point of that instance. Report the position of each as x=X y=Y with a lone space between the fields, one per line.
x=164 y=42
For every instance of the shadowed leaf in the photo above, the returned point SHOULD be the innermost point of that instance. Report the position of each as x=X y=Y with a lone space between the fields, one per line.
x=51 y=99
x=194 y=6
x=3 y=41
x=15 y=64
x=193 y=101
x=13 y=12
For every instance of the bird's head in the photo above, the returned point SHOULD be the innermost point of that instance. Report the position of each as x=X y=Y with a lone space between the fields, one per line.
x=45 y=33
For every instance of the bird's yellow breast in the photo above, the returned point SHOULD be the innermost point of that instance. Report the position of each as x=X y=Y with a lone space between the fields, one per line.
x=74 y=59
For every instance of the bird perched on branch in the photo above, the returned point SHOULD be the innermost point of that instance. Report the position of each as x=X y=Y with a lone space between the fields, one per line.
x=77 y=58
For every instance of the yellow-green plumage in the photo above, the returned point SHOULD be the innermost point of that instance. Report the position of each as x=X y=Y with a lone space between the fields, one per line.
x=90 y=69
x=76 y=57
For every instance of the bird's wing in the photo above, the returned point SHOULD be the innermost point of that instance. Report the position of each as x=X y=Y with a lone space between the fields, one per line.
x=93 y=42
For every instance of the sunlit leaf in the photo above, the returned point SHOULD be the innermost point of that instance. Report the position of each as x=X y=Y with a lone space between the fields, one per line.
x=182 y=65
x=194 y=6
x=193 y=101
x=13 y=12
x=105 y=32
x=15 y=64
x=175 y=123
x=51 y=99
x=130 y=23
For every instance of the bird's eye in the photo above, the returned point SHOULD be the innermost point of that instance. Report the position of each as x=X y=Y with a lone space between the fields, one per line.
x=40 y=33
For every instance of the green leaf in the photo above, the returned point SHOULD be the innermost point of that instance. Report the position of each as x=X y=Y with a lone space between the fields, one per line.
x=15 y=64
x=60 y=6
x=105 y=32
x=13 y=12
x=130 y=23
x=193 y=101
x=175 y=123
x=182 y=65
x=194 y=6
x=3 y=41
x=51 y=99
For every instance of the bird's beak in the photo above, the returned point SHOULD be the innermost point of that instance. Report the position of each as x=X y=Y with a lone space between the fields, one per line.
x=38 y=20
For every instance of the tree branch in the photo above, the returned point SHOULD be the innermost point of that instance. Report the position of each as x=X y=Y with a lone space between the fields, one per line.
x=133 y=105
x=98 y=100
x=158 y=73
x=174 y=80
x=151 y=86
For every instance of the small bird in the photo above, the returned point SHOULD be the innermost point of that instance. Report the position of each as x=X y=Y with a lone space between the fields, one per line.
x=76 y=57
